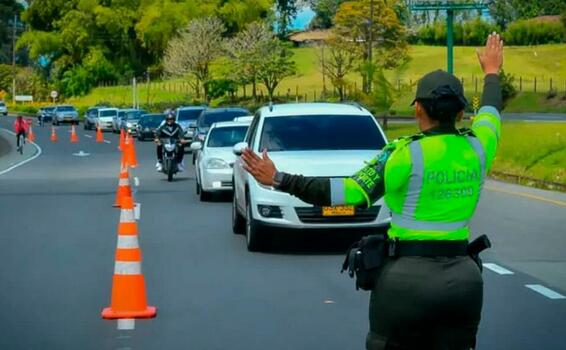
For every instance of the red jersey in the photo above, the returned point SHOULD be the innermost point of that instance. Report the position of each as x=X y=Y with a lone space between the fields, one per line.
x=20 y=126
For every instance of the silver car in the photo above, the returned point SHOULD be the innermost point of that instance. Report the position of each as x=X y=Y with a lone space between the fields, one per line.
x=187 y=117
x=130 y=119
x=65 y=114
x=215 y=161
x=106 y=117
x=3 y=108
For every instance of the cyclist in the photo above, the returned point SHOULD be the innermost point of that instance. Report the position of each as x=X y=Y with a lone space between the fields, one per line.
x=20 y=128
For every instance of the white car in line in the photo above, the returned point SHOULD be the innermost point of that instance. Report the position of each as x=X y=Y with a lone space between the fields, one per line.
x=215 y=161
x=311 y=139
x=106 y=118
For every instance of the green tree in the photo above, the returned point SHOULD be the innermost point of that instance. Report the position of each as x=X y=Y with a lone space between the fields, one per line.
x=245 y=53
x=507 y=11
x=286 y=11
x=192 y=52
x=8 y=8
x=275 y=65
x=325 y=11
x=379 y=33
x=339 y=60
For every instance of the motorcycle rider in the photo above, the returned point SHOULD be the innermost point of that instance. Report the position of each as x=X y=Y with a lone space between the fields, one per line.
x=170 y=129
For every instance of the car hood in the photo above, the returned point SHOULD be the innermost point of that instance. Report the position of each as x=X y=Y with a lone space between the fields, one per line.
x=224 y=153
x=322 y=163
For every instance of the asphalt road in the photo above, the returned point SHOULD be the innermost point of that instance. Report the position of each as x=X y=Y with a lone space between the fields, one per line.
x=58 y=238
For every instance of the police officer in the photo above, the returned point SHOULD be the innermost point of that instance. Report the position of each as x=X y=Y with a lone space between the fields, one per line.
x=428 y=295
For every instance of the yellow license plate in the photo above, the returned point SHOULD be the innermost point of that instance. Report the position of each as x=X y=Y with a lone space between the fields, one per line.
x=344 y=210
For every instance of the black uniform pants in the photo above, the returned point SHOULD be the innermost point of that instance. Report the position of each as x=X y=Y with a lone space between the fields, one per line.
x=180 y=154
x=426 y=303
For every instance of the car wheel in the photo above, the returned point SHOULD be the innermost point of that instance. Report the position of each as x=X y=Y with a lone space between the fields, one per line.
x=254 y=238
x=204 y=196
x=238 y=221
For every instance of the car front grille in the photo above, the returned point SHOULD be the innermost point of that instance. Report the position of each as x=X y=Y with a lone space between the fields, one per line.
x=226 y=183
x=313 y=215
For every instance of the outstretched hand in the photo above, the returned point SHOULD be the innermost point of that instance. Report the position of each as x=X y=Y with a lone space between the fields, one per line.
x=261 y=168
x=491 y=59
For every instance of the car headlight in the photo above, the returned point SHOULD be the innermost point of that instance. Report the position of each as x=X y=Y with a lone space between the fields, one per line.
x=129 y=125
x=216 y=163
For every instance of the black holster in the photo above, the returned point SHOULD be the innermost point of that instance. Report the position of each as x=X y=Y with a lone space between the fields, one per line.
x=364 y=258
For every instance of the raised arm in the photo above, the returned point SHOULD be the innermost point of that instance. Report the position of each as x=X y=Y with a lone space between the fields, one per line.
x=487 y=123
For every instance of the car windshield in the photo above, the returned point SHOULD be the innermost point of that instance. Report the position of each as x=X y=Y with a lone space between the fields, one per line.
x=66 y=109
x=321 y=132
x=152 y=120
x=188 y=114
x=108 y=113
x=132 y=115
x=226 y=136
x=212 y=117
x=2 y=104
x=49 y=109
x=121 y=114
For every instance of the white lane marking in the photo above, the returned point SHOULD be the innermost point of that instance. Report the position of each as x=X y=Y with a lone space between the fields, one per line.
x=106 y=141
x=89 y=136
x=126 y=324
x=497 y=269
x=137 y=211
x=547 y=292
x=24 y=161
x=136 y=181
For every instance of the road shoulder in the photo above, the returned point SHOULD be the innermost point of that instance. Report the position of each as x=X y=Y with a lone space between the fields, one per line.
x=9 y=157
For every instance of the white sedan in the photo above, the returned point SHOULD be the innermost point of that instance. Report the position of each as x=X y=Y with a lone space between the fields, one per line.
x=215 y=161
x=313 y=139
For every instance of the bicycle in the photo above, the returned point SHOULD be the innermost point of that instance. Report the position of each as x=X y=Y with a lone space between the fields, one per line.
x=20 y=142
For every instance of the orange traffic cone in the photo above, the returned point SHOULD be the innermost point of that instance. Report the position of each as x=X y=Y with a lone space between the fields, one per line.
x=53 y=134
x=131 y=151
x=124 y=189
x=31 y=135
x=74 y=137
x=99 y=135
x=121 y=144
x=129 y=298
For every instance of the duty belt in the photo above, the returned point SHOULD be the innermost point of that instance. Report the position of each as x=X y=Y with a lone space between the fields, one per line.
x=397 y=248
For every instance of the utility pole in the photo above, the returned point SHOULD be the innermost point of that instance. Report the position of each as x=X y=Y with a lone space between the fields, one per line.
x=147 y=82
x=134 y=92
x=323 y=74
x=14 y=24
x=370 y=49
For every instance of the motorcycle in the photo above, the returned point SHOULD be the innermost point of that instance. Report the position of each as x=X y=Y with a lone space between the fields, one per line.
x=170 y=150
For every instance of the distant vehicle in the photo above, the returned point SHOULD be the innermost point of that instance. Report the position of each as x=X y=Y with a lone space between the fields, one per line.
x=105 y=118
x=148 y=124
x=215 y=161
x=117 y=121
x=312 y=139
x=3 y=108
x=65 y=114
x=215 y=115
x=130 y=119
x=187 y=118
x=45 y=114
x=91 y=117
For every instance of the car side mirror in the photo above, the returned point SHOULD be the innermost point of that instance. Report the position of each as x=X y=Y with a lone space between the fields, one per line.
x=239 y=148
x=195 y=146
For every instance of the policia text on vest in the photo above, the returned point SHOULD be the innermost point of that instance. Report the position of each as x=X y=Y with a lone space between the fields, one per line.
x=427 y=290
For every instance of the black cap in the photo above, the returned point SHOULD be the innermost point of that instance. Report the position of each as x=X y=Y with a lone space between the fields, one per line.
x=440 y=84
